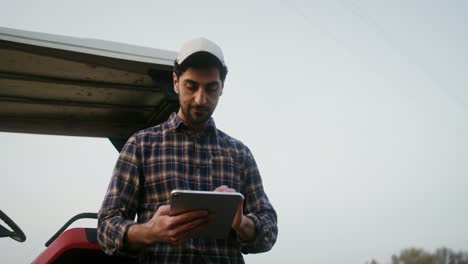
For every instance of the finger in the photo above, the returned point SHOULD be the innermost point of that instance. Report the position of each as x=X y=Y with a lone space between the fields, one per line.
x=174 y=240
x=163 y=210
x=230 y=190
x=188 y=217
x=195 y=230
x=184 y=231
x=221 y=188
x=190 y=229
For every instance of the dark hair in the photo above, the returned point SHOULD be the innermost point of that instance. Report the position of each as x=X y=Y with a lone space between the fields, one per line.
x=201 y=60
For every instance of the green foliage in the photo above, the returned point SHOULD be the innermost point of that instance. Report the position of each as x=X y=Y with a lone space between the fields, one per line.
x=419 y=256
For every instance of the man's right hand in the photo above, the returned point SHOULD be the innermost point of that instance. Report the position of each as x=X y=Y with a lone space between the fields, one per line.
x=165 y=228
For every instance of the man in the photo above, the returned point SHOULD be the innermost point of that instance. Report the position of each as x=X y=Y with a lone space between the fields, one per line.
x=186 y=152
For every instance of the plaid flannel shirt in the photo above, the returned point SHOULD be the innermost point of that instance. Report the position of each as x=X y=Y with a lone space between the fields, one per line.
x=171 y=156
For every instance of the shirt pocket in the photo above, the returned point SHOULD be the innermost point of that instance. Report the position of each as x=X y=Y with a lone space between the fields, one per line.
x=161 y=178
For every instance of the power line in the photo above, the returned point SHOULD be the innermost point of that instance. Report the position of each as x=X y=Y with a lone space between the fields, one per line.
x=354 y=8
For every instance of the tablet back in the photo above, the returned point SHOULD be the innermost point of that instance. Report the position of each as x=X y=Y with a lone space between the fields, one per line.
x=222 y=207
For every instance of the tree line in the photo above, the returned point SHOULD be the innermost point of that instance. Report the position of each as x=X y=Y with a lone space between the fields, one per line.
x=420 y=256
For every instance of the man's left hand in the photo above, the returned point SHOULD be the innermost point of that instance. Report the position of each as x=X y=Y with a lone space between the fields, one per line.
x=243 y=225
x=236 y=223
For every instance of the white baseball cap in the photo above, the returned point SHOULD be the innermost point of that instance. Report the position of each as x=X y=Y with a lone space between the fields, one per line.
x=200 y=44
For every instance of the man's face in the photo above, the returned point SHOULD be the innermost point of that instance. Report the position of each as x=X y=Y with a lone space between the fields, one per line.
x=199 y=91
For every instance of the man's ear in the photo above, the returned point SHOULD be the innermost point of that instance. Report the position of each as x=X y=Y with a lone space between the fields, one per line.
x=175 y=83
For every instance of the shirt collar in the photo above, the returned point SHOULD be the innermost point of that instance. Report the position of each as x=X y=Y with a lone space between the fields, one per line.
x=176 y=124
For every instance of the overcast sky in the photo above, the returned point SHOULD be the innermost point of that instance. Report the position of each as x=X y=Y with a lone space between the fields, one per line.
x=356 y=112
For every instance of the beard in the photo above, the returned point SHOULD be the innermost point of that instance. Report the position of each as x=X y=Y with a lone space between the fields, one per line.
x=197 y=115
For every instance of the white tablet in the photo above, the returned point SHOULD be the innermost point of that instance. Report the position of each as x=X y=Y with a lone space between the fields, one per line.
x=222 y=207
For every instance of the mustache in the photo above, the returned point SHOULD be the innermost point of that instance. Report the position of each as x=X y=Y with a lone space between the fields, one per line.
x=201 y=107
